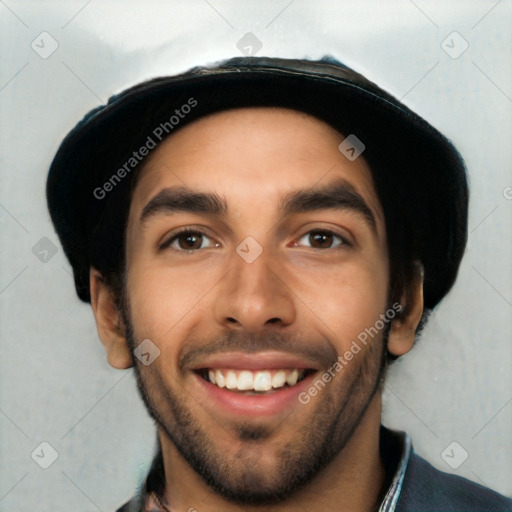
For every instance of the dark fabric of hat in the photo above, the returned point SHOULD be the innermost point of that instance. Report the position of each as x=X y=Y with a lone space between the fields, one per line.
x=421 y=171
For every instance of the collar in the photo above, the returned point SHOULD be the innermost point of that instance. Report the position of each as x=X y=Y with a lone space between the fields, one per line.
x=395 y=449
x=395 y=446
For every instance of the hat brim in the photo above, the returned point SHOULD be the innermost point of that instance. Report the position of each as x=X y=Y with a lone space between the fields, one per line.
x=420 y=166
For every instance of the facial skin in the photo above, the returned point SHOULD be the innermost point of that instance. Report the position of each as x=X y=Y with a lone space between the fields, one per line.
x=301 y=302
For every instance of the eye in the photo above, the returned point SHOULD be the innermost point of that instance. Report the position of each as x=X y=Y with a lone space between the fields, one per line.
x=323 y=239
x=186 y=240
x=190 y=240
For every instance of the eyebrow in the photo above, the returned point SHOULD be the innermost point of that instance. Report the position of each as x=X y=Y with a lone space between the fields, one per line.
x=339 y=195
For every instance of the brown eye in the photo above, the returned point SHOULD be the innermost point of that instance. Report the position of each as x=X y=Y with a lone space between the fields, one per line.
x=186 y=241
x=189 y=240
x=323 y=239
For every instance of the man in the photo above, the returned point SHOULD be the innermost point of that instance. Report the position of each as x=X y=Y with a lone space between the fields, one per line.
x=259 y=239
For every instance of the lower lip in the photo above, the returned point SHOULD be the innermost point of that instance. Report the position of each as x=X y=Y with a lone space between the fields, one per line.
x=239 y=404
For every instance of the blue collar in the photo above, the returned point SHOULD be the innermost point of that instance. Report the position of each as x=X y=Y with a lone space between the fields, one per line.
x=403 y=444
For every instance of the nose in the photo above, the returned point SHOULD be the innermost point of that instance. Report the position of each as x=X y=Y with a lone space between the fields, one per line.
x=253 y=295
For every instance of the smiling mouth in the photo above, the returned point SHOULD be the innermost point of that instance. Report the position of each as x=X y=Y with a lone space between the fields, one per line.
x=254 y=382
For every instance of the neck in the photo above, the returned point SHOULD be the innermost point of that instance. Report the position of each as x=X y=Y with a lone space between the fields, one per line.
x=353 y=481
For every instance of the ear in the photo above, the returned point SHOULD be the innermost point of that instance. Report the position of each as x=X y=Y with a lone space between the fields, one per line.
x=403 y=328
x=109 y=322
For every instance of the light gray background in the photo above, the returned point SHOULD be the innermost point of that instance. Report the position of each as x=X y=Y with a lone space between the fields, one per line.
x=56 y=385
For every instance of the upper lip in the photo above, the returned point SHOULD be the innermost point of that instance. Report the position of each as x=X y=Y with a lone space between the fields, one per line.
x=254 y=361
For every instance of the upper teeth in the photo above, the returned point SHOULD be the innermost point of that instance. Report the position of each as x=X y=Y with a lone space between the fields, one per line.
x=246 y=380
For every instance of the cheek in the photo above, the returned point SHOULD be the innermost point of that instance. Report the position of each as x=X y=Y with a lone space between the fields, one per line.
x=165 y=300
x=346 y=298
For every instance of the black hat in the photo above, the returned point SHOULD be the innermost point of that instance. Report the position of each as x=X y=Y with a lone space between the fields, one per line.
x=418 y=173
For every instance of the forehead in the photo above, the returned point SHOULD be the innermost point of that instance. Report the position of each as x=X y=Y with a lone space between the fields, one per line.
x=254 y=156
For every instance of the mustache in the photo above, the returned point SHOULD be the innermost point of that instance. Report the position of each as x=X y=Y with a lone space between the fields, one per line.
x=319 y=351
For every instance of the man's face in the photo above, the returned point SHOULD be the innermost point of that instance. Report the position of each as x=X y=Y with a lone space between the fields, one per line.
x=274 y=287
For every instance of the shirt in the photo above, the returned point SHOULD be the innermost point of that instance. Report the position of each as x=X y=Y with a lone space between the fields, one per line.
x=414 y=484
